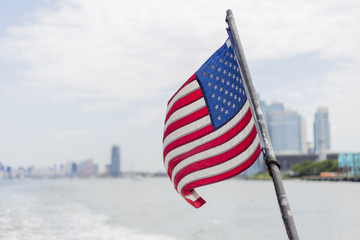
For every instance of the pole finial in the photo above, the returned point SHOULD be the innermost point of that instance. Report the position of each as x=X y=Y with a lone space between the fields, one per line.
x=228 y=15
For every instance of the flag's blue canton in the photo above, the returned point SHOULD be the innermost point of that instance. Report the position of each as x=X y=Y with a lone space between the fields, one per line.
x=222 y=85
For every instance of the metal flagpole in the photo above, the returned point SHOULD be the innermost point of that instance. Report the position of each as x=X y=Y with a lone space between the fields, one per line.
x=269 y=155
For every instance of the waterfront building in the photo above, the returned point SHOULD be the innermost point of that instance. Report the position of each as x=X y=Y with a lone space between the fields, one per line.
x=309 y=148
x=115 y=161
x=2 y=171
x=349 y=164
x=96 y=169
x=86 y=168
x=322 y=132
x=288 y=160
x=286 y=129
x=71 y=169
x=107 y=169
x=68 y=169
x=8 y=172
x=74 y=169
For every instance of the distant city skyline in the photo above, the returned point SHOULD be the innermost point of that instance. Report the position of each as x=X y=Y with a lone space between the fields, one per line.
x=84 y=168
x=287 y=129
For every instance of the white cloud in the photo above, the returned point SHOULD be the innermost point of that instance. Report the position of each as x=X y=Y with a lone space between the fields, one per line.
x=72 y=133
x=146 y=115
x=130 y=49
x=103 y=106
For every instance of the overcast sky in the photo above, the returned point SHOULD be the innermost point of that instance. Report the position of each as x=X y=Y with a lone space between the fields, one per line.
x=78 y=76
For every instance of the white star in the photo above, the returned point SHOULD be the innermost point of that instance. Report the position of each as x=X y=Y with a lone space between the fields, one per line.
x=213 y=95
x=226 y=112
x=215 y=87
x=216 y=106
x=224 y=101
x=229 y=103
x=218 y=98
x=219 y=118
x=221 y=89
x=226 y=92
x=233 y=106
x=222 y=109
x=209 y=84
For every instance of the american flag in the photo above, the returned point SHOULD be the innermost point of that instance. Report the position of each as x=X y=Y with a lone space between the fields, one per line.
x=209 y=134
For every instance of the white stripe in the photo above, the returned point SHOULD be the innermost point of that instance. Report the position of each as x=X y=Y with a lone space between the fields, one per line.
x=216 y=150
x=183 y=112
x=187 y=147
x=189 y=128
x=221 y=168
x=189 y=88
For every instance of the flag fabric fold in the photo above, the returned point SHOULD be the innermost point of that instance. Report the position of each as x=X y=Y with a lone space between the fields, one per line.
x=209 y=133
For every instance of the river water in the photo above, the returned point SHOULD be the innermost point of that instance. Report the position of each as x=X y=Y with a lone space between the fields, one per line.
x=150 y=209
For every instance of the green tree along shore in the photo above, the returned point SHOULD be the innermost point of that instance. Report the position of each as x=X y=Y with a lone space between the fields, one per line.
x=308 y=168
x=305 y=168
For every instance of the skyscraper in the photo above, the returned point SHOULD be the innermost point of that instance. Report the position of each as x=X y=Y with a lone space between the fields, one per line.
x=286 y=129
x=115 y=162
x=322 y=132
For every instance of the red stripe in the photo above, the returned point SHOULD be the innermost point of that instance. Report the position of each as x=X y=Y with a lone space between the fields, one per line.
x=192 y=78
x=202 y=182
x=197 y=203
x=184 y=101
x=185 y=120
x=213 y=143
x=188 y=138
x=218 y=159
